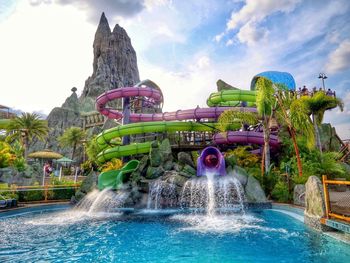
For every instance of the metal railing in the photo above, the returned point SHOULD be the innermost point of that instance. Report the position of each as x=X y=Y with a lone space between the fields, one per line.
x=337 y=199
x=45 y=188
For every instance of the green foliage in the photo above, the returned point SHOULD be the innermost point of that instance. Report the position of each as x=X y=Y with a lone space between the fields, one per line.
x=7 y=156
x=87 y=166
x=113 y=164
x=265 y=99
x=300 y=120
x=30 y=124
x=10 y=194
x=72 y=137
x=243 y=157
x=319 y=103
x=19 y=163
x=92 y=149
x=230 y=116
x=281 y=192
x=195 y=156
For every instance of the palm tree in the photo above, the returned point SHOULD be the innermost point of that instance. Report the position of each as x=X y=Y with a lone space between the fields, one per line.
x=72 y=137
x=265 y=102
x=294 y=113
x=27 y=127
x=317 y=106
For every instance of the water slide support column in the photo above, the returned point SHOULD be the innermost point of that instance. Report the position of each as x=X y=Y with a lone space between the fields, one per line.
x=126 y=120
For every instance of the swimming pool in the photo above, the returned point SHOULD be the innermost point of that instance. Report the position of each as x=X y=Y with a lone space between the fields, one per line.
x=73 y=236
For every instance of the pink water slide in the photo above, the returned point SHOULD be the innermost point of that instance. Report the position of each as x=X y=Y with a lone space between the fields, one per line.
x=242 y=137
x=179 y=115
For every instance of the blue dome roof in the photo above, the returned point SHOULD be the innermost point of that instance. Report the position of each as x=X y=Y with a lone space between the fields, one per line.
x=276 y=77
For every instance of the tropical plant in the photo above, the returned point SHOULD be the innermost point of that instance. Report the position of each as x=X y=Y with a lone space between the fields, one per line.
x=72 y=137
x=280 y=192
x=27 y=127
x=113 y=164
x=7 y=156
x=317 y=106
x=293 y=112
x=265 y=103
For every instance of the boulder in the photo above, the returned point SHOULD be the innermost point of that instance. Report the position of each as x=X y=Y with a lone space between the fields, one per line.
x=241 y=175
x=189 y=170
x=299 y=195
x=154 y=172
x=315 y=208
x=165 y=151
x=185 y=158
x=175 y=178
x=253 y=191
x=155 y=155
x=168 y=165
x=89 y=183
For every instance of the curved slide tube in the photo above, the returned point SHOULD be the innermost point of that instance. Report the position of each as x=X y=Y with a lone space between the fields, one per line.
x=115 y=178
x=104 y=138
x=244 y=137
x=232 y=98
x=179 y=115
x=164 y=122
x=211 y=160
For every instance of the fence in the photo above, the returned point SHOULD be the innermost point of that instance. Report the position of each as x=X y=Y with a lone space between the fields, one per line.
x=337 y=198
x=38 y=193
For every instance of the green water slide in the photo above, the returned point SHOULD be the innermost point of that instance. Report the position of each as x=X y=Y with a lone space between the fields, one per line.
x=4 y=123
x=232 y=98
x=115 y=178
x=110 y=151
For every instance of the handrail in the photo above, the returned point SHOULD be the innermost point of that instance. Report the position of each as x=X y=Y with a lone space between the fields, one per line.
x=329 y=213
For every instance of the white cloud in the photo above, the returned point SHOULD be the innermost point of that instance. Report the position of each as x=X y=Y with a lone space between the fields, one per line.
x=339 y=59
x=250 y=34
x=43 y=56
x=257 y=10
x=94 y=8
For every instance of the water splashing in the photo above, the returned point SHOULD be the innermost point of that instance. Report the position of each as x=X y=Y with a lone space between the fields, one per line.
x=104 y=201
x=213 y=193
x=161 y=194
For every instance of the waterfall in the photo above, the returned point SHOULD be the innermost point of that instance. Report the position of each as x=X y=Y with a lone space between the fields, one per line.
x=101 y=201
x=213 y=193
x=161 y=194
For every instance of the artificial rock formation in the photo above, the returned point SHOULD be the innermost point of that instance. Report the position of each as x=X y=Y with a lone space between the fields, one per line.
x=315 y=208
x=114 y=65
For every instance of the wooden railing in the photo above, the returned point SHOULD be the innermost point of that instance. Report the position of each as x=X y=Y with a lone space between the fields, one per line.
x=339 y=211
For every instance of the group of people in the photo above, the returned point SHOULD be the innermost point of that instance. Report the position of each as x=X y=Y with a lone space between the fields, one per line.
x=306 y=92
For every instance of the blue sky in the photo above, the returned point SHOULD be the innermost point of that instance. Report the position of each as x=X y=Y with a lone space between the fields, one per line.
x=184 y=46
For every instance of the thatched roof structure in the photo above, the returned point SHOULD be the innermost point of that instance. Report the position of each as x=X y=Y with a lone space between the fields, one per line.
x=45 y=154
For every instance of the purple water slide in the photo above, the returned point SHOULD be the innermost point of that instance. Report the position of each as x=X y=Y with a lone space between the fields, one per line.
x=244 y=137
x=197 y=113
x=211 y=160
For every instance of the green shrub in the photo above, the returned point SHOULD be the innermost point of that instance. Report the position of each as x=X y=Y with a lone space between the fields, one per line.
x=280 y=192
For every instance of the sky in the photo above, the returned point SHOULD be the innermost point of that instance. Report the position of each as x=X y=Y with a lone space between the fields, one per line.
x=183 y=46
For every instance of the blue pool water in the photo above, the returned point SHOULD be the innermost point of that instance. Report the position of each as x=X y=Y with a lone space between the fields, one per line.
x=73 y=236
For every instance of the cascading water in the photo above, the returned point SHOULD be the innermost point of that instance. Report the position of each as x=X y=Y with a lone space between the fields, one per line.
x=161 y=194
x=213 y=193
x=101 y=201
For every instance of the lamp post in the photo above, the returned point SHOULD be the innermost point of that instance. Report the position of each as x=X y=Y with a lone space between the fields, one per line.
x=323 y=77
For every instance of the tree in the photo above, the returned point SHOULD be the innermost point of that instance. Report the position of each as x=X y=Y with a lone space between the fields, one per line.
x=317 y=106
x=27 y=127
x=265 y=102
x=294 y=114
x=72 y=137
